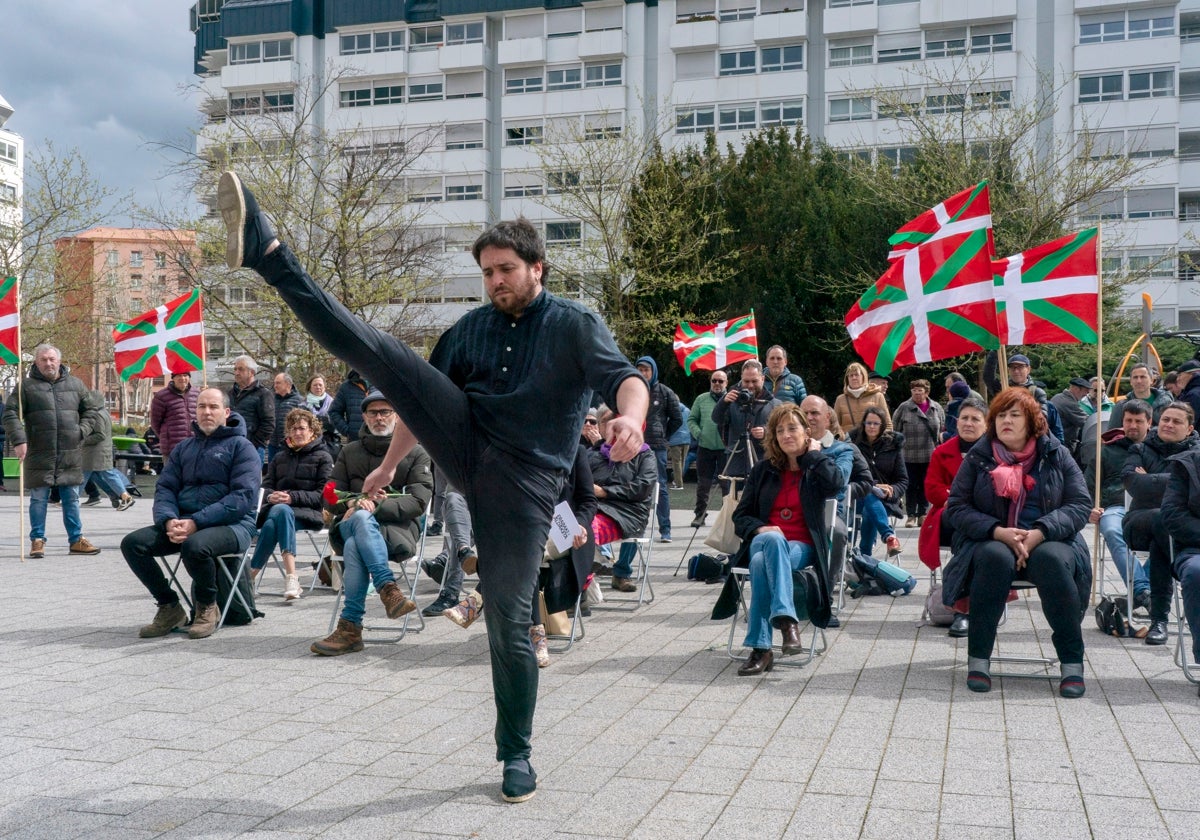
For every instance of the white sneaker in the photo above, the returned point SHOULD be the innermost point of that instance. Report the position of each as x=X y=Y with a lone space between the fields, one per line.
x=291 y=591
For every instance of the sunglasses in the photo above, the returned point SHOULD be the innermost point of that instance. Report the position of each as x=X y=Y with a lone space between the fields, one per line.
x=590 y=422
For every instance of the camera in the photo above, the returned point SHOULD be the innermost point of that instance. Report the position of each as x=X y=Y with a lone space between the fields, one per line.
x=746 y=399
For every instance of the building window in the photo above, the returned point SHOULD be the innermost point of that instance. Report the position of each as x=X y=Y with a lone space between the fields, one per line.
x=523 y=184
x=998 y=99
x=842 y=54
x=357 y=44
x=464 y=136
x=354 y=97
x=135 y=281
x=1151 y=84
x=692 y=11
x=277 y=50
x=1151 y=142
x=160 y=260
x=1101 y=88
x=135 y=259
x=563 y=23
x=1156 y=23
x=523 y=80
x=945 y=43
x=603 y=18
x=8 y=151
x=740 y=116
x=112 y=258
x=255 y=52
x=424 y=90
x=278 y=101
x=424 y=189
x=523 y=26
x=424 y=38
x=694 y=65
x=603 y=75
x=1132 y=25
x=8 y=193
x=786 y=112
x=695 y=120
x=738 y=63
x=991 y=39
x=564 y=78
x=897 y=156
x=388 y=94
x=464 y=33
x=560 y=180
x=853 y=108
x=1155 y=203
x=464 y=187
x=778 y=59
x=903 y=47
x=564 y=234
x=945 y=102
x=524 y=133
x=464 y=85
x=249 y=103
x=601 y=126
x=736 y=10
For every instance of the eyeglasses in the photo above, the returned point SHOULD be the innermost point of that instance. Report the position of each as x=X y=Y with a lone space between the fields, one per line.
x=872 y=423
x=379 y=412
x=719 y=381
x=590 y=422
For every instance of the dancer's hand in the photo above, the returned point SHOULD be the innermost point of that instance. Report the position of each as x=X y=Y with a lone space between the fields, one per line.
x=378 y=479
x=624 y=438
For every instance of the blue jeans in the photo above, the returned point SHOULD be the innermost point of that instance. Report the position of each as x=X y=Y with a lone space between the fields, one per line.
x=1187 y=569
x=366 y=560
x=40 y=498
x=278 y=529
x=110 y=482
x=664 y=498
x=874 y=522
x=1110 y=528
x=772 y=560
x=623 y=568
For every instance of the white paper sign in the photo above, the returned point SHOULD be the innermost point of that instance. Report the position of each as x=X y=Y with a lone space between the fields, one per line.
x=563 y=527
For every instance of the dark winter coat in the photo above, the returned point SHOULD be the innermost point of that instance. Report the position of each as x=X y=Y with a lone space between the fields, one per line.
x=976 y=510
x=212 y=480
x=346 y=412
x=282 y=406
x=787 y=387
x=171 y=415
x=302 y=473
x=733 y=419
x=663 y=418
x=58 y=416
x=1159 y=399
x=921 y=432
x=1181 y=506
x=256 y=404
x=629 y=486
x=97 y=447
x=1113 y=455
x=399 y=517
x=1146 y=490
x=885 y=457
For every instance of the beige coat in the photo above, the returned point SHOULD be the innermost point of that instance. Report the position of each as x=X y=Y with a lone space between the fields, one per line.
x=849 y=408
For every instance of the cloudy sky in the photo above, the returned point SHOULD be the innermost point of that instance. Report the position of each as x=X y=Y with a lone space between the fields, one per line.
x=106 y=78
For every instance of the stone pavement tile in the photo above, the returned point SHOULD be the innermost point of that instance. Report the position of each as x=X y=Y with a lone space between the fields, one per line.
x=59 y=825
x=695 y=809
x=1161 y=742
x=845 y=751
x=753 y=794
x=897 y=795
x=822 y=809
x=709 y=778
x=1048 y=797
x=213 y=825
x=666 y=768
x=1181 y=824
x=762 y=823
x=1028 y=767
x=1138 y=814
x=739 y=732
x=966 y=809
x=123 y=800
x=624 y=802
x=918 y=760
x=840 y=781
x=1033 y=824
x=1174 y=786
x=726 y=755
x=897 y=823
x=950 y=831
x=159 y=815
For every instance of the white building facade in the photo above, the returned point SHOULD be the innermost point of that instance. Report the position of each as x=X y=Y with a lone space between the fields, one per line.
x=12 y=168
x=493 y=78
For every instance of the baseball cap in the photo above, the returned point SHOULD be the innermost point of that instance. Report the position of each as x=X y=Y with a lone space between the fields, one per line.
x=1018 y=359
x=1190 y=366
x=1080 y=382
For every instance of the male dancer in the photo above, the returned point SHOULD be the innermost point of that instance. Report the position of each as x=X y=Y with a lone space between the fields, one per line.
x=497 y=407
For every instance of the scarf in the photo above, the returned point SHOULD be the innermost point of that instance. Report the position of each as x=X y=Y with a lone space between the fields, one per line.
x=1010 y=478
x=923 y=407
x=963 y=446
x=313 y=399
x=605 y=449
x=856 y=392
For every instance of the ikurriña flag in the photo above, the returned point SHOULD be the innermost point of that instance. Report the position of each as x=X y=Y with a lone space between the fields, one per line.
x=967 y=211
x=168 y=337
x=712 y=347
x=10 y=322
x=934 y=303
x=1050 y=294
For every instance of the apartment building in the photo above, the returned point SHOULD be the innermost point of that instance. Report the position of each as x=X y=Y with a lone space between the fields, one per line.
x=493 y=80
x=12 y=166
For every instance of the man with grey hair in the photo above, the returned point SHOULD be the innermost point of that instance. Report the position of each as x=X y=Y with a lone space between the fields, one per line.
x=254 y=402
x=46 y=420
x=286 y=399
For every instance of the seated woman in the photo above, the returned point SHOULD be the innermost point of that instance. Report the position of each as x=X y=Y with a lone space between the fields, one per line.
x=781 y=520
x=292 y=495
x=943 y=466
x=881 y=447
x=1018 y=505
x=622 y=491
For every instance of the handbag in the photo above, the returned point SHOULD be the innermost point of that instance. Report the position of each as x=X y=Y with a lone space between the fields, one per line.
x=556 y=623
x=722 y=536
x=937 y=613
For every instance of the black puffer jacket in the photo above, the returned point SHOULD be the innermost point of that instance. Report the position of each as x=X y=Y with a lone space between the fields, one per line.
x=283 y=405
x=886 y=459
x=346 y=412
x=256 y=404
x=399 y=517
x=628 y=486
x=302 y=473
x=58 y=416
x=1146 y=489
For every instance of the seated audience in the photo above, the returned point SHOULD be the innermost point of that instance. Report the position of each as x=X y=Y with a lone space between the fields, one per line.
x=781 y=520
x=295 y=478
x=1018 y=505
x=1181 y=516
x=882 y=449
x=368 y=532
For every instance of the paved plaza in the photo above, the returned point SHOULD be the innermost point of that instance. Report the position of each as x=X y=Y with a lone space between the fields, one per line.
x=642 y=730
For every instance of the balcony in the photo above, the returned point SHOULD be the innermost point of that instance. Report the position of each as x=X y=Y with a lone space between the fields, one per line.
x=521 y=51
x=694 y=34
x=261 y=74
x=852 y=20
x=462 y=57
x=784 y=26
x=604 y=44
x=939 y=13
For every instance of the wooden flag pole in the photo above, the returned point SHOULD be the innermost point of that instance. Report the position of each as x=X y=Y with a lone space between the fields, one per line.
x=203 y=348
x=21 y=533
x=1099 y=408
x=1002 y=361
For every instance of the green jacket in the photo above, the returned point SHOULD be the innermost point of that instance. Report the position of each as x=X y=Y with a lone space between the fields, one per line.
x=700 y=423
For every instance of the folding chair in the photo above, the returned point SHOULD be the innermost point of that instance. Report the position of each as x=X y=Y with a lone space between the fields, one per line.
x=406 y=582
x=853 y=523
x=1043 y=662
x=316 y=538
x=1103 y=587
x=645 y=548
x=576 y=627
x=1191 y=670
x=743 y=574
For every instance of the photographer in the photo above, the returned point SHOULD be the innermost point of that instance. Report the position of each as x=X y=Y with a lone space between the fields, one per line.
x=741 y=416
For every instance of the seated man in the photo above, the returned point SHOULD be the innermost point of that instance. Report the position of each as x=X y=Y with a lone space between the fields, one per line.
x=204 y=507
x=1181 y=516
x=1145 y=476
x=368 y=532
x=1110 y=516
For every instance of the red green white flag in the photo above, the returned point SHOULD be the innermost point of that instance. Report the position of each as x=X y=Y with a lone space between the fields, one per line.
x=934 y=303
x=10 y=322
x=1050 y=294
x=967 y=211
x=168 y=337
x=712 y=347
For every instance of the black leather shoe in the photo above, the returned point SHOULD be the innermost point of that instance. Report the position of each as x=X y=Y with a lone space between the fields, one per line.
x=520 y=782
x=759 y=661
x=791 y=637
x=1158 y=633
x=833 y=623
x=247 y=231
x=958 y=627
x=436 y=569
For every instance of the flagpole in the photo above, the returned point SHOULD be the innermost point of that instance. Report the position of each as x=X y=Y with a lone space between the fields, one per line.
x=1099 y=408
x=1002 y=360
x=21 y=419
x=203 y=349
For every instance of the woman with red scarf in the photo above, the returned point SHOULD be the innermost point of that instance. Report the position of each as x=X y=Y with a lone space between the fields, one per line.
x=1018 y=505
